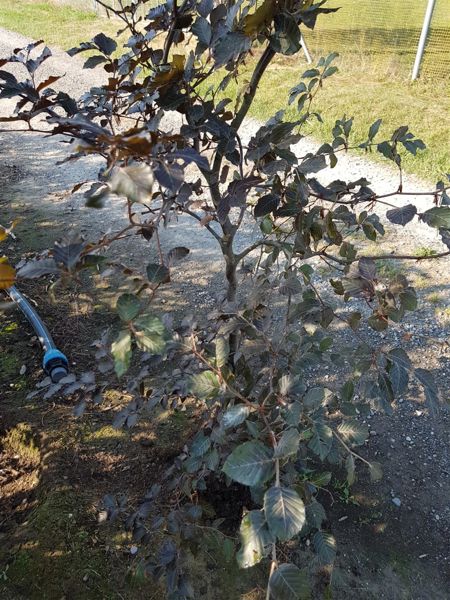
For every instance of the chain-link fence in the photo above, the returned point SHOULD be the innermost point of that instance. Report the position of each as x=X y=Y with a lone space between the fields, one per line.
x=382 y=33
x=385 y=34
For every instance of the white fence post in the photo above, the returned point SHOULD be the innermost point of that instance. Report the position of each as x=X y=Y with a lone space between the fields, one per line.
x=423 y=38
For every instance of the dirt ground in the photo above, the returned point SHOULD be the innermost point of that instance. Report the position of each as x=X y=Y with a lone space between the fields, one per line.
x=393 y=537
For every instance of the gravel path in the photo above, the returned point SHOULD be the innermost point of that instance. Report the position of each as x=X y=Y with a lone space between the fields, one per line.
x=413 y=448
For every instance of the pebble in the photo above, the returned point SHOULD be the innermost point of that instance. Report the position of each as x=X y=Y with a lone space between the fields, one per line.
x=397 y=502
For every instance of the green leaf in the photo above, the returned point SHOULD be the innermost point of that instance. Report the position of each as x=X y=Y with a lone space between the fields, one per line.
x=222 y=351
x=285 y=512
x=315 y=515
x=325 y=546
x=350 y=466
x=347 y=391
x=200 y=445
x=429 y=387
x=438 y=217
x=289 y=583
x=235 y=416
x=266 y=225
x=157 y=273
x=288 y=444
x=121 y=351
x=321 y=441
x=251 y=463
x=128 y=306
x=255 y=539
x=374 y=129
x=375 y=471
x=408 y=299
x=378 y=322
x=353 y=432
x=150 y=334
x=205 y=385
x=316 y=397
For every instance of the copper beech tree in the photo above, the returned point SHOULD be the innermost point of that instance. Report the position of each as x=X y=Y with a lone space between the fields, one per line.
x=171 y=143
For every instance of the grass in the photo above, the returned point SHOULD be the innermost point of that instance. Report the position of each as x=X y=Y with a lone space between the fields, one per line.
x=362 y=89
x=61 y=26
x=20 y=440
x=424 y=251
x=365 y=94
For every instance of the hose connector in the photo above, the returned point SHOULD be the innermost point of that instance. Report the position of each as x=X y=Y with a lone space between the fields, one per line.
x=55 y=364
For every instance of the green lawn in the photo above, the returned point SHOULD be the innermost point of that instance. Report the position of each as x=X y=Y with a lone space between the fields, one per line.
x=365 y=88
x=61 y=26
x=424 y=106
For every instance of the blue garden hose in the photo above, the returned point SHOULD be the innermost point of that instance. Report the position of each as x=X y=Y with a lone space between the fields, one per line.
x=55 y=363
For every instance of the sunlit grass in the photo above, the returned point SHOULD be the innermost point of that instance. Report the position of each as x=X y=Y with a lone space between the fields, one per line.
x=363 y=89
x=57 y=25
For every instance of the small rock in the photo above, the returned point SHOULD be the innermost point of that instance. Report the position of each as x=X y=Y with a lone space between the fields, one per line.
x=408 y=439
x=397 y=502
x=23 y=370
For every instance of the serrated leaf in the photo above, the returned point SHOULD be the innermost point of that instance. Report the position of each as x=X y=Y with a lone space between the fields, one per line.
x=255 y=539
x=438 y=217
x=128 y=306
x=200 y=445
x=402 y=215
x=157 y=273
x=398 y=372
x=266 y=204
x=251 y=463
x=205 y=385
x=288 y=444
x=315 y=515
x=325 y=546
x=121 y=351
x=235 y=416
x=321 y=440
x=430 y=388
x=287 y=582
x=316 y=397
x=353 y=432
x=150 y=334
x=408 y=299
x=350 y=466
x=222 y=351
x=284 y=511
x=375 y=472
x=201 y=28
x=105 y=43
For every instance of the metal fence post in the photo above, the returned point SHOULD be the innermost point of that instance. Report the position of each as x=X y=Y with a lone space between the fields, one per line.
x=423 y=39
